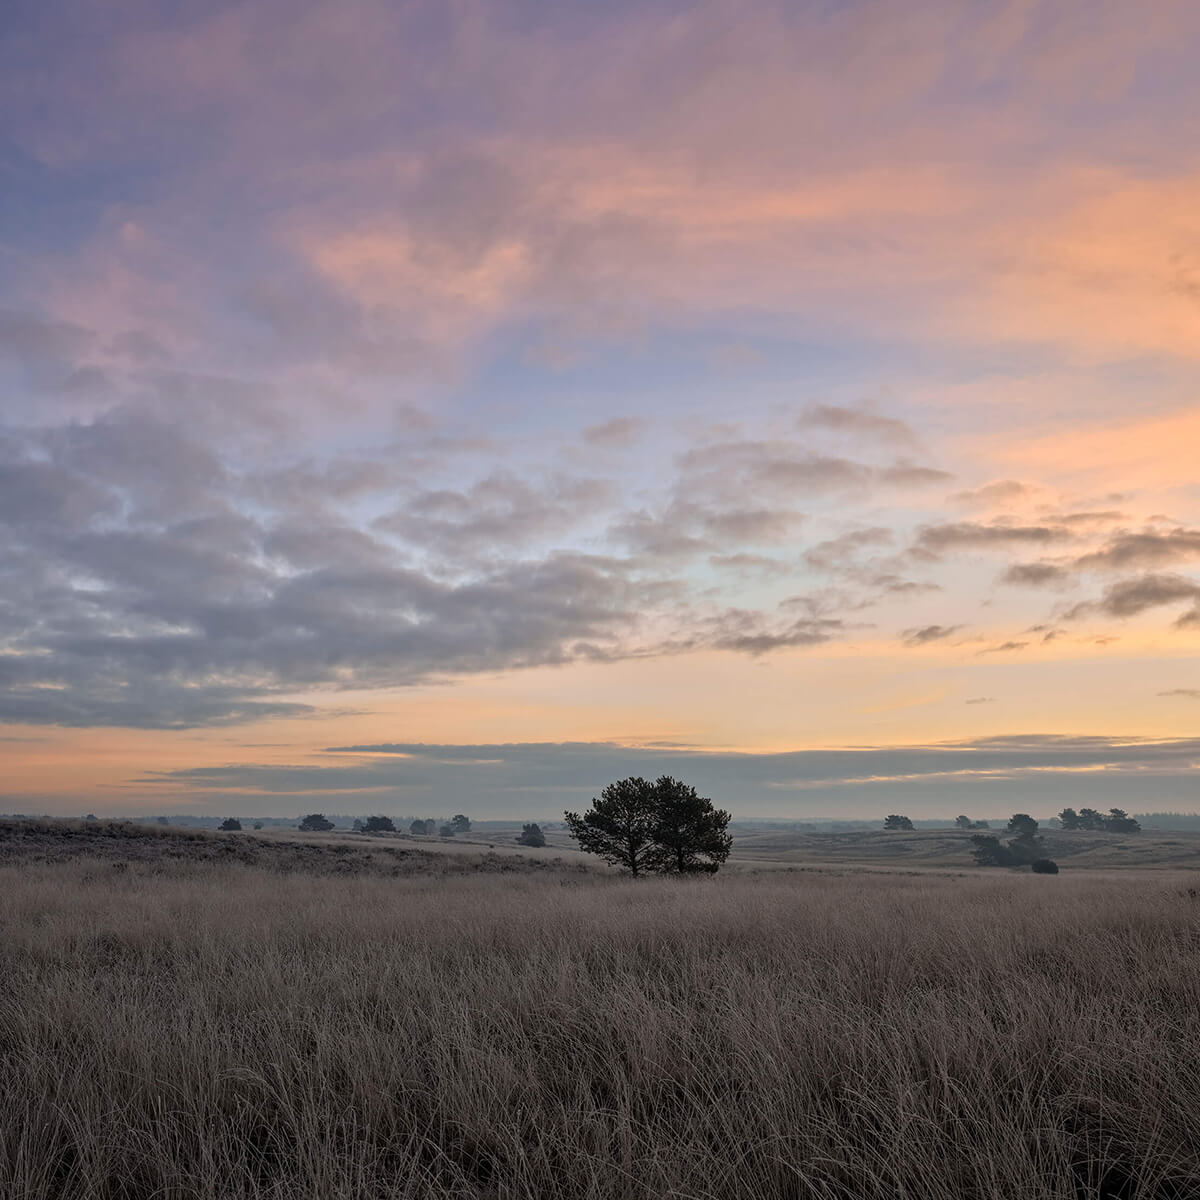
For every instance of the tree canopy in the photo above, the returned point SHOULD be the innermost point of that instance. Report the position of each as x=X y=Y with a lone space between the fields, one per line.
x=316 y=823
x=662 y=826
x=896 y=821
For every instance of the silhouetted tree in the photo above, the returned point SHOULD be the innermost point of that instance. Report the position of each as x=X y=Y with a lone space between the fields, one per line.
x=1119 y=821
x=981 y=825
x=531 y=835
x=964 y=823
x=1089 y=818
x=257 y=824
x=230 y=825
x=689 y=833
x=1023 y=825
x=619 y=826
x=446 y=830
x=460 y=824
x=163 y=821
x=316 y=823
x=1044 y=866
x=988 y=852
x=419 y=828
x=895 y=821
x=379 y=825
x=1069 y=818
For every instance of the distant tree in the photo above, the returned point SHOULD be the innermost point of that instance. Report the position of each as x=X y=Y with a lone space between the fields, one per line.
x=1023 y=825
x=981 y=825
x=1089 y=818
x=895 y=821
x=379 y=825
x=419 y=828
x=619 y=826
x=163 y=821
x=91 y=817
x=1069 y=818
x=231 y=825
x=257 y=824
x=356 y=825
x=988 y=852
x=446 y=830
x=689 y=833
x=964 y=823
x=531 y=835
x=1044 y=866
x=316 y=823
x=1119 y=821
x=460 y=824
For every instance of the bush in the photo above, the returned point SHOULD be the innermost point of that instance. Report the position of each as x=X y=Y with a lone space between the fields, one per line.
x=531 y=835
x=316 y=823
x=1044 y=866
x=378 y=825
x=230 y=825
x=896 y=821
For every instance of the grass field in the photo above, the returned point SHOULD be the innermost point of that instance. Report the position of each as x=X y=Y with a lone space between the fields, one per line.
x=182 y=1021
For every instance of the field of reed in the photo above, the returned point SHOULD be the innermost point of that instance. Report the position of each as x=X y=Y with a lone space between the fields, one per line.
x=222 y=1030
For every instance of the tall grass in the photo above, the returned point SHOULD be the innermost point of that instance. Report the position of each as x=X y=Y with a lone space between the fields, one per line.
x=235 y=1033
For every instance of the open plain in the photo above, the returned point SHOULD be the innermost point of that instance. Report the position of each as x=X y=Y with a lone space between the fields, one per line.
x=200 y=1016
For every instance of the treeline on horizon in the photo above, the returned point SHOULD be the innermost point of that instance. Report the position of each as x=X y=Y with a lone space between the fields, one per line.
x=1166 y=821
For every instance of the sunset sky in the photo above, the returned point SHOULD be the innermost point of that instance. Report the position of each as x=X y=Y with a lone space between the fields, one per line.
x=420 y=407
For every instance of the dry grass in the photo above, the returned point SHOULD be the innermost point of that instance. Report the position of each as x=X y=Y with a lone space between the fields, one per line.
x=237 y=1032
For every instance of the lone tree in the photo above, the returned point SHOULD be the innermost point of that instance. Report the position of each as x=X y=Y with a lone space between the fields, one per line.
x=316 y=823
x=419 y=828
x=964 y=823
x=895 y=821
x=378 y=825
x=663 y=826
x=460 y=824
x=231 y=825
x=620 y=825
x=531 y=835
x=689 y=834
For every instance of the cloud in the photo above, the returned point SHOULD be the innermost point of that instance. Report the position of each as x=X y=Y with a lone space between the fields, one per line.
x=1190 y=693
x=1031 y=771
x=981 y=700
x=1130 y=597
x=929 y=633
x=1036 y=574
x=971 y=535
x=1146 y=549
x=857 y=422
x=1004 y=648
x=1001 y=492
x=617 y=433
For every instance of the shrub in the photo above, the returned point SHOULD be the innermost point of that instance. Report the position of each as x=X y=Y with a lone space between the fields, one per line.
x=316 y=823
x=231 y=825
x=379 y=825
x=896 y=821
x=531 y=835
x=1044 y=866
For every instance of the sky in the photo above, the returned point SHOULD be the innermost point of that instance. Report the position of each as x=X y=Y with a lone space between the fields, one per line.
x=422 y=407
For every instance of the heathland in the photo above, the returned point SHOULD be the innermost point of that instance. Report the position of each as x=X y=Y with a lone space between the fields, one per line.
x=201 y=1016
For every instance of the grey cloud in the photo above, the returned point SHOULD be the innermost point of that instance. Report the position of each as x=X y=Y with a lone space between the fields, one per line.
x=1035 y=772
x=1190 y=693
x=500 y=512
x=42 y=343
x=1036 y=574
x=1004 y=648
x=1146 y=549
x=857 y=421
x=970 y=535
x=836 y=554
x=981 y=700
x=1002 y=491
x=1129 y=597
x=928 y=633
x=615 y=434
